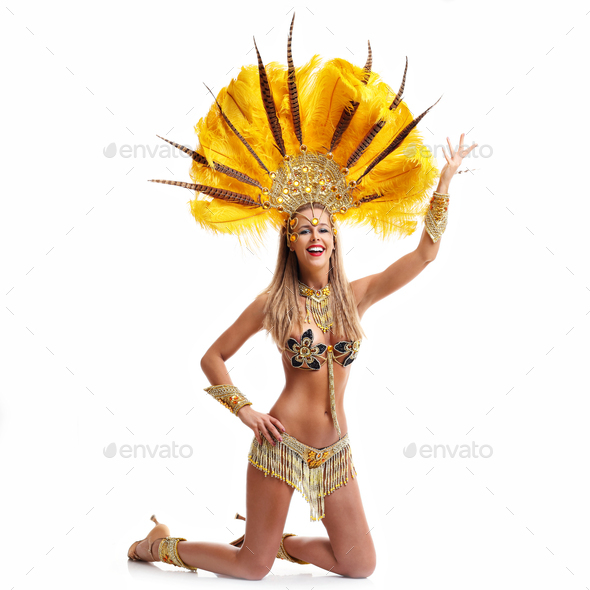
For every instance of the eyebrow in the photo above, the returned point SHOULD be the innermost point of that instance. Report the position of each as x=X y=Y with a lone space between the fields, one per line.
x=308 y=225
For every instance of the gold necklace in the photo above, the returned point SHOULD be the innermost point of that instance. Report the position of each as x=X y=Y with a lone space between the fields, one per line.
x=318 y=302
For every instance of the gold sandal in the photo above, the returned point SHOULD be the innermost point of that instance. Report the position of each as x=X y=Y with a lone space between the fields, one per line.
x=282 y=553
x=167 y=552
x=160 y=530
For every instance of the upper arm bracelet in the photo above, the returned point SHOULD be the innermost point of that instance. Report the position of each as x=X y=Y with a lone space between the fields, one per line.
x=229 y=396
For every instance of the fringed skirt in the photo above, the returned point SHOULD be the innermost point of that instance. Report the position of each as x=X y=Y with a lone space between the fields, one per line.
x=314 y=473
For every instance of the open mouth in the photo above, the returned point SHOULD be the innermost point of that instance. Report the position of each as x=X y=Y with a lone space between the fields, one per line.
x=316 y=250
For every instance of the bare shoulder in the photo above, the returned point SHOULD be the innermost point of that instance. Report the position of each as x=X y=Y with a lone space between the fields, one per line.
x=256 y=309
x=360 y=287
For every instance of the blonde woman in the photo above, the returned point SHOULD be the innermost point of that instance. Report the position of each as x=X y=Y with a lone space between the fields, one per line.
x=311 y=311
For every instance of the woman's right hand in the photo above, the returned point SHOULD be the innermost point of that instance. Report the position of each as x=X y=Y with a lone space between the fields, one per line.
x=261 y=423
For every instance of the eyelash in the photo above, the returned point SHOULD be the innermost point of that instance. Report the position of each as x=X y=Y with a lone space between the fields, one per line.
x=323 y=230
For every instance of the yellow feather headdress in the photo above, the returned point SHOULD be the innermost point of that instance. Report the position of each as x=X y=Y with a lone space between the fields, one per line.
x=277 y=138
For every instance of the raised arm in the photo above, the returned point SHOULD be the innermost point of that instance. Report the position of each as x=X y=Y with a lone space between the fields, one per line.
x=213 y=365
x=375 y=287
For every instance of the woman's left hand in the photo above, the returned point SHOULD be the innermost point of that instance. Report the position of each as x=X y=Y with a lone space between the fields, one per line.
x=454 y=162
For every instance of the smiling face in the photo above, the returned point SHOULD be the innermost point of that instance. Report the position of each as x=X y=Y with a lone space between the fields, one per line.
x=316 y=242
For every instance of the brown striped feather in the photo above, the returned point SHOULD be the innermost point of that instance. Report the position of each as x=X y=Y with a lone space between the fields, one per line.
x=398 y=97
x=369 y=198
x=368 y=65
x=269 y=105
x=395 y=143
x=216 y=165
x=236 y=174
x=293 y=96
x=239 y=136
x=212 y=191
x=194 y=155
x=345 y=119
x=363 y=145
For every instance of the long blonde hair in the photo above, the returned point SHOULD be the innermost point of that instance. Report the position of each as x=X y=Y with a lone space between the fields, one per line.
x=282 y=309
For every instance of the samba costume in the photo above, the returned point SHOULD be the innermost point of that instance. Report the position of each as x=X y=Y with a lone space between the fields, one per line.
x=278 y=138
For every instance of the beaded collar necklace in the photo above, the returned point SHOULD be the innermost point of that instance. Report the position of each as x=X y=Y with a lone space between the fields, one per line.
x=318 y=302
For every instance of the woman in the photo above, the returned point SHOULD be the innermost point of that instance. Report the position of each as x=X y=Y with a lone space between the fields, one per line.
x=312 y=312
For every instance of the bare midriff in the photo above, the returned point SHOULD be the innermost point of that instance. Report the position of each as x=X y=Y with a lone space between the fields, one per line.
x=303 y=407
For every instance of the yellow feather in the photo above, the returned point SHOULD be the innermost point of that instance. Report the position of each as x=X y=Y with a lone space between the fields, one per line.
x=402 y=179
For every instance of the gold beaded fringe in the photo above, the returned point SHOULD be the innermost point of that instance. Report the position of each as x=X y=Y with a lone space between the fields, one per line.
x=332 y=394
x=318 y=303
x=315 y=473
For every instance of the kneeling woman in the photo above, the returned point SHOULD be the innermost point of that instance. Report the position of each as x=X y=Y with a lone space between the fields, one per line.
x=310 y=309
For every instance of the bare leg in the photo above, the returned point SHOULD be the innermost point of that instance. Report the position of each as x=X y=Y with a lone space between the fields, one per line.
x=267 y=505
x=349 y=551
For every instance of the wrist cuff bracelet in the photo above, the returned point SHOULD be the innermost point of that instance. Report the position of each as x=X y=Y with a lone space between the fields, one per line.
x=229 y=396
x=437 y=215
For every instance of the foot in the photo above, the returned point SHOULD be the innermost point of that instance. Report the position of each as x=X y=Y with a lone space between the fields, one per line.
x=142 y=550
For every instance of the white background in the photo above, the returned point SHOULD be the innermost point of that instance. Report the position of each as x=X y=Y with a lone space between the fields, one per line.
x=111 y=294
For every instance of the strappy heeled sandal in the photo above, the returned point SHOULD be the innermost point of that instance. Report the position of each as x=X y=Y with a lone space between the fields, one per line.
x=167 y=552
x=282 y=553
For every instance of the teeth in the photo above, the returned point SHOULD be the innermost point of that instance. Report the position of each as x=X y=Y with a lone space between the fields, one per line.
x=315 y=249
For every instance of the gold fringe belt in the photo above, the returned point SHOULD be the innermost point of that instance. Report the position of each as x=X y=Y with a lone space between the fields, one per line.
x=314 y=473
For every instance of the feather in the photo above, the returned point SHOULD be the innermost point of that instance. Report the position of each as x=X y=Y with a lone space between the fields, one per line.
x=293 y=98
x=216 y=165
x=398 y=96
x=212 y=191
x=238 y=133
x=365 y=143
x=194 y=155
x=247 y=224
x=345 y=119
x=368 y=65
x=236 y=174
x=369 y=198
x=395 y=217
x=391 y=197
x=395 y=143
x=269 y=105
x=323 y=95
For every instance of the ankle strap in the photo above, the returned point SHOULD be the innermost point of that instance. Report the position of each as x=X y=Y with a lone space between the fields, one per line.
x=282 y=554
x=168 y=552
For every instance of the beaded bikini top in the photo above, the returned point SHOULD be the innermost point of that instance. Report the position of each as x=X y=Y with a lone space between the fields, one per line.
x=308 y=356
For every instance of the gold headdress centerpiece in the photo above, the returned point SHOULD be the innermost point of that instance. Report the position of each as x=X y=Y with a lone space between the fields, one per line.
x=329 y=133
x=307 y=178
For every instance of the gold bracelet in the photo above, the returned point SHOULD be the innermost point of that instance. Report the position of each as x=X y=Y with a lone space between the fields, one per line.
x=229 y=396
x=437 y=215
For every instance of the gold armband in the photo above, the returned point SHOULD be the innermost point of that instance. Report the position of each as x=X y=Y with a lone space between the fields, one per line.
x=229 y=396
x=437 y=215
